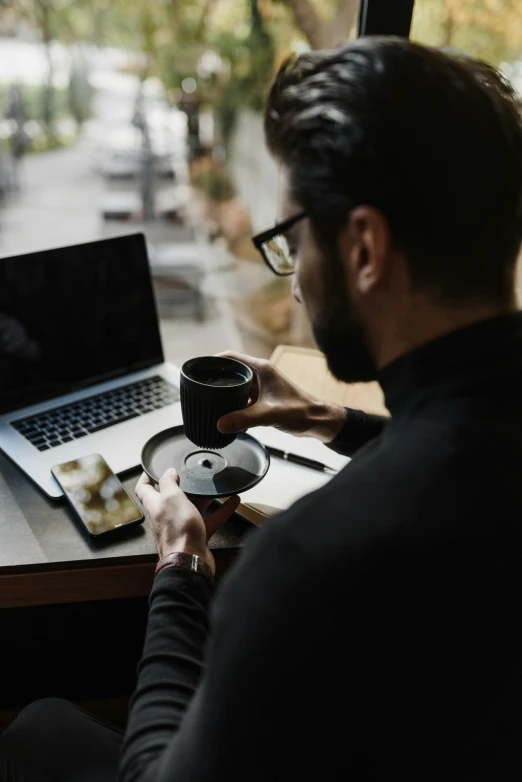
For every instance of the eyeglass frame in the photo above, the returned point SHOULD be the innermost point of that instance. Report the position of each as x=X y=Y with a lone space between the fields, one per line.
x=280 y=228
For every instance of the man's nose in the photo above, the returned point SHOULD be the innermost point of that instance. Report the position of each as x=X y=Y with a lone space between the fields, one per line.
x=296 y=291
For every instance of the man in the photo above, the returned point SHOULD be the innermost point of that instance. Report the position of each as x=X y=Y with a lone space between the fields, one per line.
x=371 y=631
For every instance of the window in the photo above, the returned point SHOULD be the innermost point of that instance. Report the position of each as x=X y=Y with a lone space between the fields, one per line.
x=489 y=30
x=108 y=125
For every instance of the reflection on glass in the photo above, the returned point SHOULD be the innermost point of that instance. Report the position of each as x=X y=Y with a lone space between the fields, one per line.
x=96 y=494
x=14 y=340
x=278 y=253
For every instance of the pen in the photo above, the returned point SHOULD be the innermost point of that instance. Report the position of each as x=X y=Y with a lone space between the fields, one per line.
x=302 y=460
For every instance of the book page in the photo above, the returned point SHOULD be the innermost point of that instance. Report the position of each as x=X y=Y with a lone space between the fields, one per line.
x=286 y=482
x=304 y=446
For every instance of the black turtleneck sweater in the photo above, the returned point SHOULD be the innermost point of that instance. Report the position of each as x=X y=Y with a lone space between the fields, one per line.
x=373 y=630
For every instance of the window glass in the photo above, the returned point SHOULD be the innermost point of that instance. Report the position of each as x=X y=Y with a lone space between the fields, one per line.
x=490 y=30
x=113 y=121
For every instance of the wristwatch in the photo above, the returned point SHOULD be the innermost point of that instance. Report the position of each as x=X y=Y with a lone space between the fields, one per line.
x=188 y=562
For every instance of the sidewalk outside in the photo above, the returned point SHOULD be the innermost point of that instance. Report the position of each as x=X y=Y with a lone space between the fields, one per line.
x=59 y=204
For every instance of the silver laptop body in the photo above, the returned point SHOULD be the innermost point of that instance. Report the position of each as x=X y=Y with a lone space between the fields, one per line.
x=81 y=362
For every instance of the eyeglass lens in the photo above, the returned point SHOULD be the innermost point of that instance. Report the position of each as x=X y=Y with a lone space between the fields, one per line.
x=278 y=254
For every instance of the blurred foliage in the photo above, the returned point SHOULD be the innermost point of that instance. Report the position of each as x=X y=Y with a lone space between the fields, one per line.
x=55 y=20
x=215 y=184
x=252 y=68
x=79 y=90
x=32 y=101
x=246 y=40
x=31 y=108
x=490 y=30
x=42 y=142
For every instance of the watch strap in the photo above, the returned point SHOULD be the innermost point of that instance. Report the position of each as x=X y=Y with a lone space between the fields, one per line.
x=187 y=562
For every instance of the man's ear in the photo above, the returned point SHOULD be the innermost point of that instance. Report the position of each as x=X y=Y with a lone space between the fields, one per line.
x=365 y=247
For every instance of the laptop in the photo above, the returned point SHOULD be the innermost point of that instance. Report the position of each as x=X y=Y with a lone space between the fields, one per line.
x=82 y=368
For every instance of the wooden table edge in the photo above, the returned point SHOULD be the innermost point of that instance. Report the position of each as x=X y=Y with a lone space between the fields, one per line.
x=79 y=584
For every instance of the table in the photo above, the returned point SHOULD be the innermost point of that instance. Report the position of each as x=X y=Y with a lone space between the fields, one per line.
x=45 y=557
x=308 y=369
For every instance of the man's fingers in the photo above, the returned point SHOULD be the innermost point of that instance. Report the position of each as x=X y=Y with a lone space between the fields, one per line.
x=145 y=491
x=216 y=519
x=238 y=421
x=259 y=366
x=231 y=423
x=254 y=391
x=257 y=414
x=144 y=480
x=169 y=483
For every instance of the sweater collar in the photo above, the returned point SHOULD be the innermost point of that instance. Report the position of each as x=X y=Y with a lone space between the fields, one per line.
x=468 y=353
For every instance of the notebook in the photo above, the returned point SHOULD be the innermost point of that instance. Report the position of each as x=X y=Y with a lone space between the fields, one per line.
x=286 y=482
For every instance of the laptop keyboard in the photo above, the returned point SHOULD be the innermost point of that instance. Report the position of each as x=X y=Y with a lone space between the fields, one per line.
x=70 y=422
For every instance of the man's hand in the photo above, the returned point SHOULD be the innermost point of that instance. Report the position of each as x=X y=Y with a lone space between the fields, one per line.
x=276 y=401
x=176 y=521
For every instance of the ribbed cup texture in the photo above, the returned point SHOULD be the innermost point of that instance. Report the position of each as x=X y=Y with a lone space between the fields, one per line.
x=203 y=405
x=200 y=416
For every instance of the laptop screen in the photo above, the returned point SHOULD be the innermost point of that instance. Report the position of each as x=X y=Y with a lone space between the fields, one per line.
x=73 y=317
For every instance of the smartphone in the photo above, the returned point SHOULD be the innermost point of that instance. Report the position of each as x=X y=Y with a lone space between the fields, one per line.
x=96 y=494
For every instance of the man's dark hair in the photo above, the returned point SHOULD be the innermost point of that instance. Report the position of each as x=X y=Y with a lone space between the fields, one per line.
x=432 y=139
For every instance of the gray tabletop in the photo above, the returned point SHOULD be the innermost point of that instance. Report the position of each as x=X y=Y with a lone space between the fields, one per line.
x=37 y=532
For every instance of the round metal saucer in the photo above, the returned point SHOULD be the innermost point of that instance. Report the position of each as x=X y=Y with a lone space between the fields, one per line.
x=205 y=473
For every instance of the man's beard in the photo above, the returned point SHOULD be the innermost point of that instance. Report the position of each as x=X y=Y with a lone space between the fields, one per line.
x=339 y=332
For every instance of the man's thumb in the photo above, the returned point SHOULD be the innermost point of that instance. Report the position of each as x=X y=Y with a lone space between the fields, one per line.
x=234 y=422
x=169 y=482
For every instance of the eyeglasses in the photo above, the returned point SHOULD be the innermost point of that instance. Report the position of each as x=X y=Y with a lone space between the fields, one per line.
x=273 y=246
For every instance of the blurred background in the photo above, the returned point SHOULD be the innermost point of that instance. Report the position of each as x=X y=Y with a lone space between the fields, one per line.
x=131 y=115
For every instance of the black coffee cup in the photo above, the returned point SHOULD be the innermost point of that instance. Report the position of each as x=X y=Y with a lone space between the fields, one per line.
x=212 y=386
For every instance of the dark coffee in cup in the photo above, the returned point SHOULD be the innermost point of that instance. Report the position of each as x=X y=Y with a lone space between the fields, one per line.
x=212 y=386
x=225 y=381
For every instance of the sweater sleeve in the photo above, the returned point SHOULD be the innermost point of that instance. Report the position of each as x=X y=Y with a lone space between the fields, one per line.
x=169 y=671
x=359 y=429
x=204 y=706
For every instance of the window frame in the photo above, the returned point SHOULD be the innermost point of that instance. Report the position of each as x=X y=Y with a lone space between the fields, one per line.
x=385 y=17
